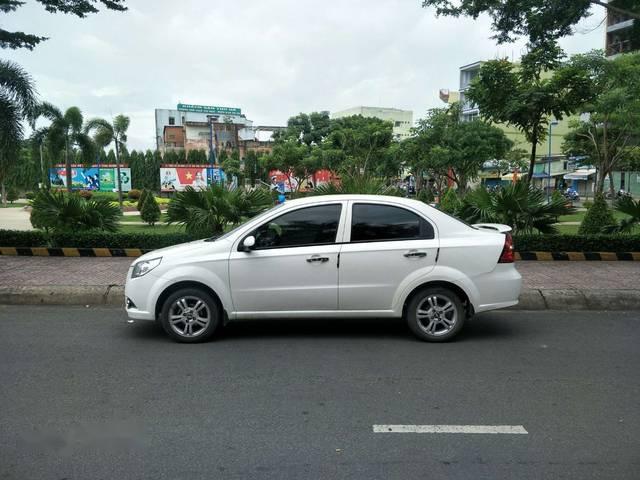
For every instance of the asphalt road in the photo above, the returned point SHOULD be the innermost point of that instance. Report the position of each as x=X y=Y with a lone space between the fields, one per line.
x=84 y=395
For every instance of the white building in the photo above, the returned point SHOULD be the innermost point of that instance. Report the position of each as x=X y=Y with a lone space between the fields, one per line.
x=402 y=119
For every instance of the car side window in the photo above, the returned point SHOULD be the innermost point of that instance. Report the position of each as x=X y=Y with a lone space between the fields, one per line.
x=378 y=223
x=306 y=226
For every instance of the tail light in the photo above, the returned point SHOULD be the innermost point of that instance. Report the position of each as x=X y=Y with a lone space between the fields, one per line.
x=507 y=251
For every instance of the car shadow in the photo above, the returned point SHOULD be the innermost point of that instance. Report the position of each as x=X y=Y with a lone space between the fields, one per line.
x=485 y=327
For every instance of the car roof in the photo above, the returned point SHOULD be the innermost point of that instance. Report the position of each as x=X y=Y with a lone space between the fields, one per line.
x=345 y=197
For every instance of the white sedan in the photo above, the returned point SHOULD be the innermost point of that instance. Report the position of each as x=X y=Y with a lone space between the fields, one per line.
x=328 y=257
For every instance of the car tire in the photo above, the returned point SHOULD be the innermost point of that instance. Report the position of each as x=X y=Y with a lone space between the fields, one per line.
x=190 y=315
x=435 y=314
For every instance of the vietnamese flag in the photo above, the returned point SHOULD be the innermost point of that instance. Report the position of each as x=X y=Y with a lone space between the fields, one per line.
x=187 y=175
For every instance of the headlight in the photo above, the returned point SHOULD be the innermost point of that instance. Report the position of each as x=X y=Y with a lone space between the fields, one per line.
x=144 y=267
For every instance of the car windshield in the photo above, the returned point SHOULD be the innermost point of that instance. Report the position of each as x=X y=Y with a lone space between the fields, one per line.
x=234 y=230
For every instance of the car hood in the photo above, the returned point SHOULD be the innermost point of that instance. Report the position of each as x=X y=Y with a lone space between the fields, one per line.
x=188 y=249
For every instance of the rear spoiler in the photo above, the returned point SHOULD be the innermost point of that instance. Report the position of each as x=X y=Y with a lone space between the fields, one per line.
x=496 y=227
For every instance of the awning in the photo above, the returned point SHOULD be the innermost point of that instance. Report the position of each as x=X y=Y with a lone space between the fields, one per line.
x=546 y=175
x=580 y=174
x=511 y=176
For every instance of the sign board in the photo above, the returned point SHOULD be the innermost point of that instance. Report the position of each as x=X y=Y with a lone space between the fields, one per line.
x=186 y=107
x=91 y=178
x=175 y=179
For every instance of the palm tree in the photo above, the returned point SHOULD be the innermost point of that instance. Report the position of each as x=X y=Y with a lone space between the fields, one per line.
x=357 y=184
x=207 y=212
x=17 y=102
x=64 y=134
x=629 y=207
x=115 y=132
x=518 y=205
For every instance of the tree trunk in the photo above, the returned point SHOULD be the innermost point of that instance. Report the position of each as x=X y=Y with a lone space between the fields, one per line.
x=118 y=173
x=67 y=164
x=3 y=193
x=611 y=186
x=532 y=158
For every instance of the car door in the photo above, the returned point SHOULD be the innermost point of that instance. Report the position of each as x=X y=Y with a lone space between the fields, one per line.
x=384 y=244
x=293 y=266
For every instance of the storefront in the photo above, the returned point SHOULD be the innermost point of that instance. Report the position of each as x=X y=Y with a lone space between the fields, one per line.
x=582 y=181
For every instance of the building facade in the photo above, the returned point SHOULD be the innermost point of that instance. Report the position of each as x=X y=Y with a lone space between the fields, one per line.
x=202 y=127
x=623 y=32
x=402 y=119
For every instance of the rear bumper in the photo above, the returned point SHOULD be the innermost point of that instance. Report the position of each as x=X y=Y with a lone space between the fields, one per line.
x=498 y=289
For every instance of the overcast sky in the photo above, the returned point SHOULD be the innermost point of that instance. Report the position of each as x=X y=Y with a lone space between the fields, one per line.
x=272 y=58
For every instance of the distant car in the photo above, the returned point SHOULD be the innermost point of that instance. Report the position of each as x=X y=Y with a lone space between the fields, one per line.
x=328 y=257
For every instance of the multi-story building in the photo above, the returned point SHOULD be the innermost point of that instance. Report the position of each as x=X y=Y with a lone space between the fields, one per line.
x=402 y=120
x=190 y=127
x=623 y=33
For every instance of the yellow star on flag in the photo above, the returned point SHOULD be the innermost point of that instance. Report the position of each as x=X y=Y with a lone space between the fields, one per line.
x=189 y=176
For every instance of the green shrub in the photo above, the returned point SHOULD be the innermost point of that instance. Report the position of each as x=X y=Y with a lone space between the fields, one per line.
x=150 y=212
x=450 y=202
x=142 y=198
x=425 y=195
x=111 y=196
x=30 y=195
x=58 y=212
x=12 y=194
x=587 y=204
x=577 y=243
x=145 y=241
x=23 y=238
x=86 y=194
x=134 y=194
x=598 y=217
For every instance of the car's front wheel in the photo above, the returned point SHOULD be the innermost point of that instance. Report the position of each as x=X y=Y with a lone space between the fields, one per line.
x=435 y=314
x=190 y=315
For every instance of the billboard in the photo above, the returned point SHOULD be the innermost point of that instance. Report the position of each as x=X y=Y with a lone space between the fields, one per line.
x=215 y=175
x=91 y=178
x=175 y=179
x=210 y=109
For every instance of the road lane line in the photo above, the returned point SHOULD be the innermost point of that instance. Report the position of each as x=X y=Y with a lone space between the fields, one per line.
x=482 y=429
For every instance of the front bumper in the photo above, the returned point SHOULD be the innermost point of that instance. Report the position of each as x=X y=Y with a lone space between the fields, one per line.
x=139 y=304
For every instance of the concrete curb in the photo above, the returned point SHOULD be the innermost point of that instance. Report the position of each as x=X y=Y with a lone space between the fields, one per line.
x=530 y=299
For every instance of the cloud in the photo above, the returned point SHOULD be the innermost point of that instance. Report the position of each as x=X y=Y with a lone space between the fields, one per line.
x=273 y=59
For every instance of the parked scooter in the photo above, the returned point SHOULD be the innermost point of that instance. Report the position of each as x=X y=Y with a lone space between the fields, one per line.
x=571 y=194
x=619 y=194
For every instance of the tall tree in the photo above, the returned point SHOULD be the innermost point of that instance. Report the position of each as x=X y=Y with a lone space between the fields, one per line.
x=527 y=95
x=456 y=149
x=80 y=8
x=17 y=103
x=65 y=134
x=116 y=133
x=294 y=159
x=609 y=132
x=539 y=20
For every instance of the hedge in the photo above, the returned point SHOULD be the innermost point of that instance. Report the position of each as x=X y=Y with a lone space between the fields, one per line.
x=577 y=243
x=150 y=241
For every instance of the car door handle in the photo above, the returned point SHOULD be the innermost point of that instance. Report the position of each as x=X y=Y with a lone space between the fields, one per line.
x=415 y=254
x=317 y=259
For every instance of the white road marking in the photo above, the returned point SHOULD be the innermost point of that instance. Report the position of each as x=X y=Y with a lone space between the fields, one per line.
x=486 y=429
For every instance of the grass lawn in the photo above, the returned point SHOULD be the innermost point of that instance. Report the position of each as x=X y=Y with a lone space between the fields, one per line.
x=159 y=228
x=578 y=216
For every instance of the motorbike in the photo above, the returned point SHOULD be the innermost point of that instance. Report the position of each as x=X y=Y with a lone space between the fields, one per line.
x=571 y=194
x=619 y=194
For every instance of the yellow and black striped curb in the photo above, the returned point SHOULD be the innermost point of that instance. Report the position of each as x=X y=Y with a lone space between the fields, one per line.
x=136 y=252
x=72 y=252
x=578 y=256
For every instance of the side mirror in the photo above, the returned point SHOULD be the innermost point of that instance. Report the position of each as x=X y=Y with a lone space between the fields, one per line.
x=248 y=243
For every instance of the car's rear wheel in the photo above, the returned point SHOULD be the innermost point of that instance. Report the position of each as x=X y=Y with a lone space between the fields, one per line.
x=190 y=315
x=435 y=314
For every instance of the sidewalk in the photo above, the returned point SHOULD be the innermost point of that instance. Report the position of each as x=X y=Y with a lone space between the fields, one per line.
x=556 y=285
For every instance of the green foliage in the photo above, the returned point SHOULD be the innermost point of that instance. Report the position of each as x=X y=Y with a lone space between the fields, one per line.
x=446 y=146
x=450 y=202
x=207 y=212
x=142 y=198
x=364 y=185
x=29 y=195
x=62 y=212
x=12 y=194
x=610 y=135
x=150 y=212
x=577 y=243
x=522 y=97
x=539 y=20
x=425 y=195
x=232 y=167
x=86 y=194
x=110 y=196
x=197 y=157
x=597 y=218
x=518 y=205
x=80 y=8
x=134 y=194
x=629 y=207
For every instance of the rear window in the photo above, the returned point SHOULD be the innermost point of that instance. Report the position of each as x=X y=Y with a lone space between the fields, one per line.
x=379 y=223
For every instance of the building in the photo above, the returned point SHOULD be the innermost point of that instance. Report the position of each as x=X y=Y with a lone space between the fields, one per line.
x=402 y=119
x=623 y=33
x=190 y=127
